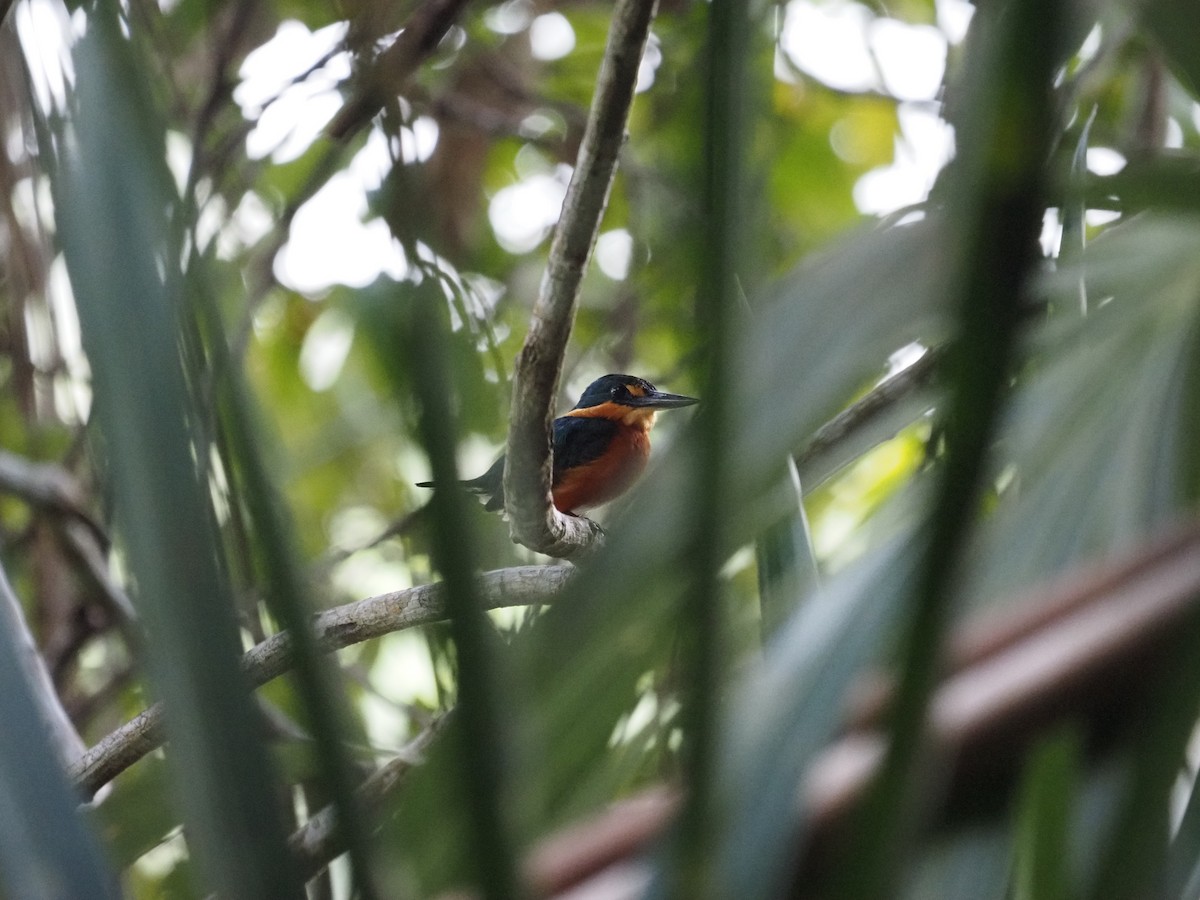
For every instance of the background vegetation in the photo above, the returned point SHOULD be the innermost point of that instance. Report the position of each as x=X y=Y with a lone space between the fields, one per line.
x=263 y=262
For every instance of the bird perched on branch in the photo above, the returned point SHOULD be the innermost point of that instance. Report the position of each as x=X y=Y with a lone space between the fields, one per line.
x=600 y=447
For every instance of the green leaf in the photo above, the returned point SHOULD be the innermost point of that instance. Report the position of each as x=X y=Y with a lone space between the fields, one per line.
x=786 y=710
x=1175 y=28
x=476 y=744
x=46 y=847
x=111 y=201
x=971 y=863
x=787 y=566
x=1043 y=829
x=1101 y=431
x=285 y=584
x=138 y=815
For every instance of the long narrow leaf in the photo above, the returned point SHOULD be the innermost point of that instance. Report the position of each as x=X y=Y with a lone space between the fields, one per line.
x=996 y=211
x=787 y=709
x=1042 y=870
x=477 y=743
x=110 y=205
x=786 y=563
x=46 y=848
x=702 y=622
x=285 y=586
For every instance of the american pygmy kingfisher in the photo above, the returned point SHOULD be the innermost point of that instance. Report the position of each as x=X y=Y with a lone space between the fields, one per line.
x=600 y=447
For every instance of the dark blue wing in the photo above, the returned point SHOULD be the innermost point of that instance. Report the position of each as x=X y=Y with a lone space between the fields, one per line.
x=579 y=440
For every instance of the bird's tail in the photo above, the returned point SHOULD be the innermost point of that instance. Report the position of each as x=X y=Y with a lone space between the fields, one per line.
x=489 y=486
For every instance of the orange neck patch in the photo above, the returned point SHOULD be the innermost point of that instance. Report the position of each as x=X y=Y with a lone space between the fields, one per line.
x=639 y=418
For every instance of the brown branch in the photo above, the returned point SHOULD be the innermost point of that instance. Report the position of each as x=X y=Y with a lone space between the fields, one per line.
x=53 y=489
x=334 y=629
x=533 y=519
x=386 y=77
x=1084 y=649
x=1150 y=133
x=398 y=527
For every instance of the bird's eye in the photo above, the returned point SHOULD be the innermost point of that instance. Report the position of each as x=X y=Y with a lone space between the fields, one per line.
x=618 y=390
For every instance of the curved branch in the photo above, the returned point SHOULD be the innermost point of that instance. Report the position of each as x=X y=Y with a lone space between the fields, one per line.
x=334 y=629
x=877 y=416
x=51 y=488
x=534 y=521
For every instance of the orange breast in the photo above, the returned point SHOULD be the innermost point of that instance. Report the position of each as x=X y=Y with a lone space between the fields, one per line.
x=607 y=477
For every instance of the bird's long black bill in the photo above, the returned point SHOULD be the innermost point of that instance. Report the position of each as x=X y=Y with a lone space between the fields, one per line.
x=661 y=400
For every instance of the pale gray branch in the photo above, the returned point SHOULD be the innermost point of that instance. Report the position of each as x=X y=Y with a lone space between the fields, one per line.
x=875 y=417
x=44 y=485
x=533 y=519
x=317 y=842
x=334 y=629
x=50 y=487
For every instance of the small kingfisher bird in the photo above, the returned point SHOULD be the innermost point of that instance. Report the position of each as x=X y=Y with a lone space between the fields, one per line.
x=600 y=447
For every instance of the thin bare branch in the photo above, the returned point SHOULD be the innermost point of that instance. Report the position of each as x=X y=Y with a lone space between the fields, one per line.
x=533 y=519
x=865 y=423
x=81 y=542
x=386 y=77
x=52 y=488
x=43 y=485
x=334 y=629
x=318 y=842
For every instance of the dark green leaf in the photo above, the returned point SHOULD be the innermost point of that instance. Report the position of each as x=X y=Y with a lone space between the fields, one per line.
x=112 y=200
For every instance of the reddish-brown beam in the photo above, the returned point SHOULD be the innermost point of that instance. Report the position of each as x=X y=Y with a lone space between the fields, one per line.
x=1079 y=649
x=994 y=632
x=615 y=835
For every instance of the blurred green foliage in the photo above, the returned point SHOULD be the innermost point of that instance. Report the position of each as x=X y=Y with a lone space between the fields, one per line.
x=237 y=435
